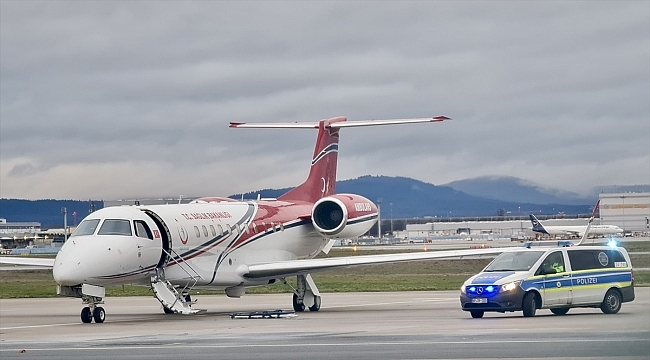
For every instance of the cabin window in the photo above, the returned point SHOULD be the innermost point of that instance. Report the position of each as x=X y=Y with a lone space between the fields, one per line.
x=220 y=230
x=142 y=230
x=87 y=227
x=254 y=227
x=281 y=227
x=197 y=232
x=213 y=231
x=115 y=227
x=272 y=226
x=205 y=230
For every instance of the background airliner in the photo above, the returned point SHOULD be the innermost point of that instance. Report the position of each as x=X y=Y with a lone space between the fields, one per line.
x=575 y=230
x=220 y=243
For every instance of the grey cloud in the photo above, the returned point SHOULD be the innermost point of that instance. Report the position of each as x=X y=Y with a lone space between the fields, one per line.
x=532 y=87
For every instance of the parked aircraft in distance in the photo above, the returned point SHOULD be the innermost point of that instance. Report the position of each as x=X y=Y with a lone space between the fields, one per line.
x=221 y=243
x=575 y=230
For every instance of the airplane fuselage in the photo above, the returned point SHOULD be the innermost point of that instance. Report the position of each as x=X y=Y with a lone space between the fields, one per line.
x=210 y=241
x=580 y=230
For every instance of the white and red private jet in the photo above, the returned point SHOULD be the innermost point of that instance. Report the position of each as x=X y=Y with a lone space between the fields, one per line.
x=220 y=243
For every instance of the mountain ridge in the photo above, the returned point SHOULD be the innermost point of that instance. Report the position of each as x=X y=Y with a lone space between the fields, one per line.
x=401 y=198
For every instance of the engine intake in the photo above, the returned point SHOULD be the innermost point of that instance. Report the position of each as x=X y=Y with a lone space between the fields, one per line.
x=343 y=216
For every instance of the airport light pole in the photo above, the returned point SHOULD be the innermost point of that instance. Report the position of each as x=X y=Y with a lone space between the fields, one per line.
x=64 y=211
x=391 y=219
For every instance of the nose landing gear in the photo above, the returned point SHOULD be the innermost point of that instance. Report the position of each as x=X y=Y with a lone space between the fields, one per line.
x=92 y=312
x=90 y=295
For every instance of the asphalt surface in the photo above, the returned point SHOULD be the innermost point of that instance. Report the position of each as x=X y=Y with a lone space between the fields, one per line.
x=399 y=325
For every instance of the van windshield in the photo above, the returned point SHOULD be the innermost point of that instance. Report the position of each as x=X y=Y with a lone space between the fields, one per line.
x=514 y=261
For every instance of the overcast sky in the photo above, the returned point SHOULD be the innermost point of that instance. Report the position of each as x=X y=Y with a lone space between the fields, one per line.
x=116 y=100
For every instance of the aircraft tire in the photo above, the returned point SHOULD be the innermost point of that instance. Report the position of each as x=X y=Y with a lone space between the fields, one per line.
x=86 y=315
x=316 y=305
x=297 y=307
x=99 y=315
x=167 y=310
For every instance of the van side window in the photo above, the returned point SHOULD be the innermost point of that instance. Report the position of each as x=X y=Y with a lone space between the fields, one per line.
x=554 y=261
x=582 y=260
x=595 y=259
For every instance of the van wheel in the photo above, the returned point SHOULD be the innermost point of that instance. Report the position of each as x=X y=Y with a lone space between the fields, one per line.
x=560 y=311
x=612 y=302
x=529 y=305
x=477 y=314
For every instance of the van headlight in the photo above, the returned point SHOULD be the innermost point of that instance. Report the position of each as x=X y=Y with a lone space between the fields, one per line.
x=510 y=286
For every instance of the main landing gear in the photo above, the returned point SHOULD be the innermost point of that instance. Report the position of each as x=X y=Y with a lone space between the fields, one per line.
x=304 y=297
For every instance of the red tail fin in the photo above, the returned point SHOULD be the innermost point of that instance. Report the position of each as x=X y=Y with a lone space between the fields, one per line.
x=321 y=180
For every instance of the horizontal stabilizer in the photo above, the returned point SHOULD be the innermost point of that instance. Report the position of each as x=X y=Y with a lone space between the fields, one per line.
x=336 y=123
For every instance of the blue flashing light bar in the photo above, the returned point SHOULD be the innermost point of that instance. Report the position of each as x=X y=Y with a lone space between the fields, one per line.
x=559 y=243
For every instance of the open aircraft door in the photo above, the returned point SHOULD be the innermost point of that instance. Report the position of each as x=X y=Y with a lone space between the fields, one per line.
x=165 y=236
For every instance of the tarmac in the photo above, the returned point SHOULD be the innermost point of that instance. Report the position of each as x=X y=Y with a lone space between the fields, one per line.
x=393 y=325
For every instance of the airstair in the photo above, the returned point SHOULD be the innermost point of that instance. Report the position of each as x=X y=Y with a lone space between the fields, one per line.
x=171 y=299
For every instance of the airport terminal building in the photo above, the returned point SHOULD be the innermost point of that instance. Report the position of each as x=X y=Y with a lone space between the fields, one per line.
x=629 y=211
x=13 y=234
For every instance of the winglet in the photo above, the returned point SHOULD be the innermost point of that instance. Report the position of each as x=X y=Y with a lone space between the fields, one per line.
x=593 y=214
x=591 y=219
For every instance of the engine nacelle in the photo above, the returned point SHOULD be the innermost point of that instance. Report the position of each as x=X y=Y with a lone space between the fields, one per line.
x=343 y=216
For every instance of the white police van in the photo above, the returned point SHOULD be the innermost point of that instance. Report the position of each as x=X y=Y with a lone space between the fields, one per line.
x=556 y=278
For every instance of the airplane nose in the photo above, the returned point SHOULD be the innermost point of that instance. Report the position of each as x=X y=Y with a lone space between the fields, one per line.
x=67 y=269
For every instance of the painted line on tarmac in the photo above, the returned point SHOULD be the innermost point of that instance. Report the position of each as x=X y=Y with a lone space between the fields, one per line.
x=391 y=303
x=72 y=323
x=354 y=344
x=36 y=326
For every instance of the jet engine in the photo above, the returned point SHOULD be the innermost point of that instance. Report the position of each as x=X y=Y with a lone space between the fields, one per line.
x=343 y=216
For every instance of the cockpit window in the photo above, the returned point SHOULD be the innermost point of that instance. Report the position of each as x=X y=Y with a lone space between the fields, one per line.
x=142 y=230
x=115 y=227
x=87 y=227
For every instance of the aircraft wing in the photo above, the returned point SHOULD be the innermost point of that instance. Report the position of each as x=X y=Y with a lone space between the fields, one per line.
x=46 y=263
x=297 y=267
